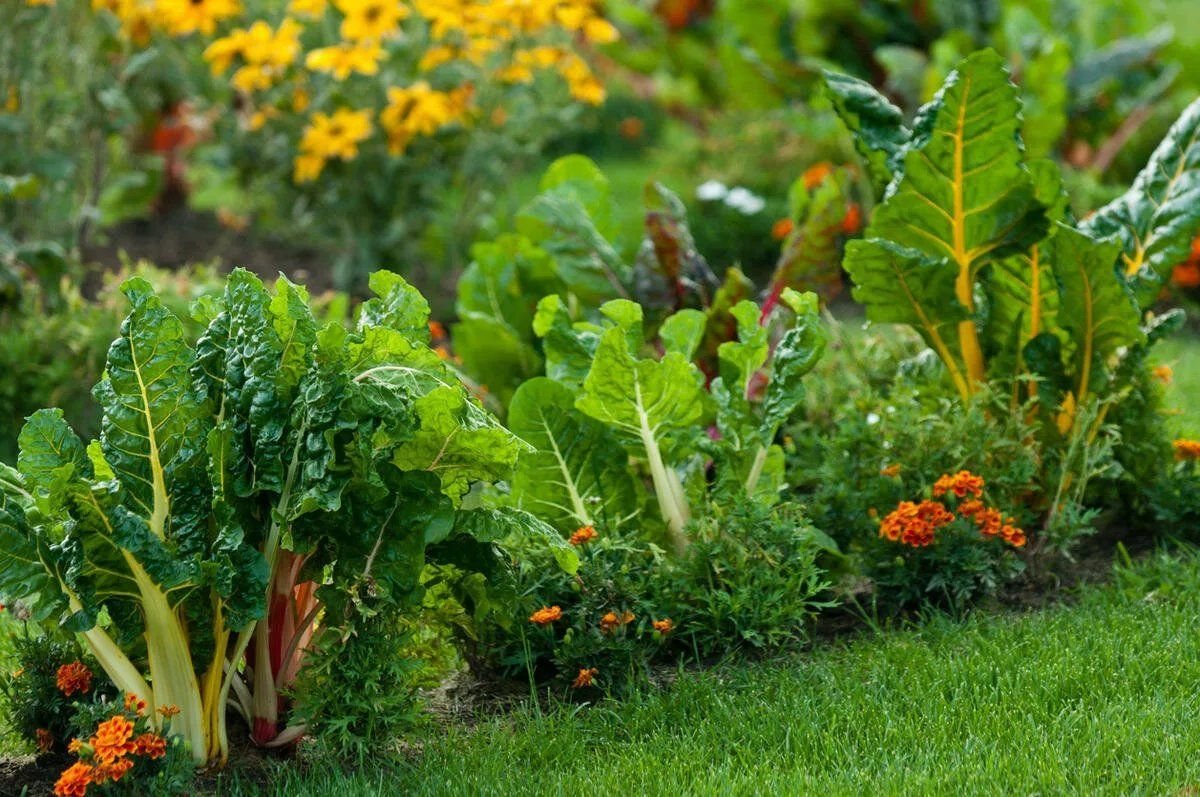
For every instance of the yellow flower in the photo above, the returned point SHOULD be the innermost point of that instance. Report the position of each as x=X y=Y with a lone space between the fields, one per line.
x=370 y=20
x=435 y=57
x=182 y=17
x=600 y=31
x=337 y=135
x=514 y=73
x=12 y=103
x=266 y=47
x=307 y=168
x=307 y=8
x=582 y=84
x=1164 y=374
x=419 y=110
x=249 y=79
x=540 y=57
x=258 y=119
x=300 y=100
x=342 y=59
x=224 y=51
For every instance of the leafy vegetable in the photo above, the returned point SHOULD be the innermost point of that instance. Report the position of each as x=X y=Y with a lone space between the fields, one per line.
x=250 y=498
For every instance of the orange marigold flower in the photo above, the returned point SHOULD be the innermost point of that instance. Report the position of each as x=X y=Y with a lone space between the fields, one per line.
x=663 y=626
x=782 y=229
x=971 y=507
x=583 y=535
x=1186 y=275
x=891 y=471
x=168 y=711
x=112 y=770
x=437 y=330
x=962 y=484
x=915 y=524
x=1163 y=373
x=1012 y=535
x=74 y=677
x=612 y=621
x=150 y=745
x=112 y=739
x=585 y=677
x=135 y=703
x=74 y=746
x=815 y=175
x=45 y=740
x=989 y=520
x=1187 y=450
x=74 y=781
x=852 y=221
x=546 y=615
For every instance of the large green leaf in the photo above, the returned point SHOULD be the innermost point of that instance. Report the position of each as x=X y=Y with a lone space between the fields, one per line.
x=497 y=526
x=397 y=305
x=898 y=285
x=641 y=396
x=876 y=124
x=154 y=423
x=1095 y=306
x=458 y=441
x=580 y=178
x=568 y=346
x=1157 y=218
x=963 y=199
x=578 y=473
x=589 y=266
x=497 y=295
x=964 y=193
x=795 y=355
x=27 y=564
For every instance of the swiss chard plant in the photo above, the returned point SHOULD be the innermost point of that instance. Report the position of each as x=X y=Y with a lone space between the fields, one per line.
x=250 y=499
x=563 y=246
x=614 y=393
x=975 y=247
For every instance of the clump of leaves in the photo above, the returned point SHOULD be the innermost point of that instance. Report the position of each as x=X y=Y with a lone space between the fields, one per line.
x=975 y=248
x=251 y=498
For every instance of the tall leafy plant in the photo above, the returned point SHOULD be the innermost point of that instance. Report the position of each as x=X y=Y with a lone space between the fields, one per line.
x=973 y=245
x=613 y=393
x=250 y=498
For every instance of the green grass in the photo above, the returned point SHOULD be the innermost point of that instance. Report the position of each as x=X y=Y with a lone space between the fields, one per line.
x=1182 y=353
x=1100 y=697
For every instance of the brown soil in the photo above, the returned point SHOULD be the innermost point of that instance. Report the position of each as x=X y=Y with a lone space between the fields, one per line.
x=30 y=776
x=182 y=237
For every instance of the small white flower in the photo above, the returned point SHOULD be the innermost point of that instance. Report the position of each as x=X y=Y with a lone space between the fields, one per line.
x=746 y=201
x=711 y=191
x=872 y=418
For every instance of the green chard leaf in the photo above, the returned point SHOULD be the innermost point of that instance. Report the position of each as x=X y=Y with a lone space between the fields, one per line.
x=155 y=422
x=876 y=124
x=964 y=199
x=496 y=305
x=1095 y=306
x=651 y=404
x=578 y=473
x=1157 y=218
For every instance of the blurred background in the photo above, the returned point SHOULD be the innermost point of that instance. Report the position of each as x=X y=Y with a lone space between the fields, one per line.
x=324 y=140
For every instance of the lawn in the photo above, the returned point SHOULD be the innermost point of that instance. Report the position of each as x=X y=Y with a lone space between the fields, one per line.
x=1182 y=354
x=1097 y=697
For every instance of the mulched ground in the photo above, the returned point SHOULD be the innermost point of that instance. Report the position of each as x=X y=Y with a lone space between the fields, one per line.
x=182 y=237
